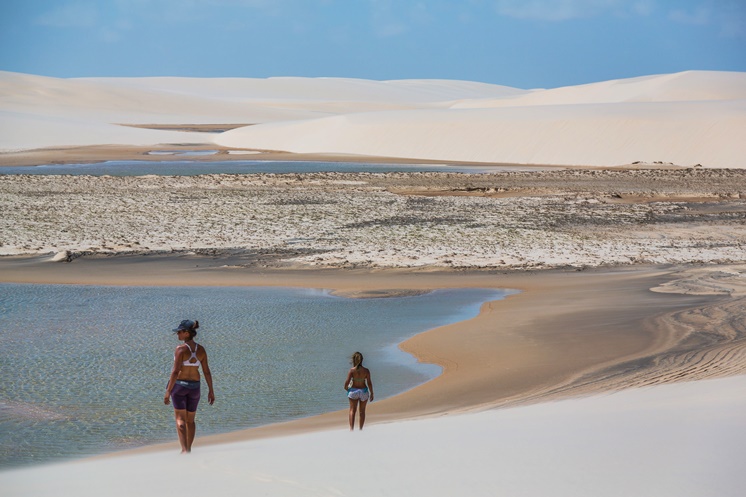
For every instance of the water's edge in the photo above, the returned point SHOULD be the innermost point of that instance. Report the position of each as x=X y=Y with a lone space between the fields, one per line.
x=262 y=377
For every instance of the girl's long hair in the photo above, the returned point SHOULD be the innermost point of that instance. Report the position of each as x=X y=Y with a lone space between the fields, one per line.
x=357 y=360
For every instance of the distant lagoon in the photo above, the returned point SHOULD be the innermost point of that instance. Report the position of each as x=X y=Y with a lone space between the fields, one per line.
x=194 y=168
x=86 y=366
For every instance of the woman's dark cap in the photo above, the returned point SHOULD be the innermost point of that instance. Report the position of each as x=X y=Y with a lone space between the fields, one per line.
x=187 y=324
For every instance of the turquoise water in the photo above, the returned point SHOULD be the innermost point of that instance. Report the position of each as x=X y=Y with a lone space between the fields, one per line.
x=193 y=168
x=85 y=367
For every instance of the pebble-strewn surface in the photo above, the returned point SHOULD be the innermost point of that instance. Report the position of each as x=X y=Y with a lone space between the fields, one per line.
x=512 y=219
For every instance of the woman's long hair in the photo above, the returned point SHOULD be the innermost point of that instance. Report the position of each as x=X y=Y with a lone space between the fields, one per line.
x=193 y=330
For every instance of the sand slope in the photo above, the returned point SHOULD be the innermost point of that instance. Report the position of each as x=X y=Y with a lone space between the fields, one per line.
x=674 y=440
x=694 y=117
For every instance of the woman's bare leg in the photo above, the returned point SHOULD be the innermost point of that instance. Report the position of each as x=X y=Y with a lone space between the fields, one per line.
x=191 y=429
x=182 y=429
x=353 y=410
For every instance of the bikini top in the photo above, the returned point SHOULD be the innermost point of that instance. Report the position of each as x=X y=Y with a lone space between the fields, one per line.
x=195 y=363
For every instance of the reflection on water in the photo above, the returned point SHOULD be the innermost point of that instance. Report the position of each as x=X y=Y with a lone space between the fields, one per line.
x=86 y=366
x=193 y=168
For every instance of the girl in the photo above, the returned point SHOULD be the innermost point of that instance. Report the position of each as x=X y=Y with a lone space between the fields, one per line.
x=359 y=389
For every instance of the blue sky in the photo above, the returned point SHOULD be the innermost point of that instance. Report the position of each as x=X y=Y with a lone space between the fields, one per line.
x=520 y=43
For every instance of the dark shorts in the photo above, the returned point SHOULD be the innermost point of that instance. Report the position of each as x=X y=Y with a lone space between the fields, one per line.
x=185 y=395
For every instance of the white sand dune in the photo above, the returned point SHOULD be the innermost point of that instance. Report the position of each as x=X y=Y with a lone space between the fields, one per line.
x=674 y=440
x=279 y=89
x=687 y=118
x=37 y=111
x=712 y=134
x=694 y=117
x=689 y=86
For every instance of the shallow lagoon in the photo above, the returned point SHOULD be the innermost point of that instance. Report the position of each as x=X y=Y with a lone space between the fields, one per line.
x=194 y=168
x=86 y=366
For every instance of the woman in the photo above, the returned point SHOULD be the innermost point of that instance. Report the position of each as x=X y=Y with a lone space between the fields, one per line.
x=359 y=389
x=184 y=387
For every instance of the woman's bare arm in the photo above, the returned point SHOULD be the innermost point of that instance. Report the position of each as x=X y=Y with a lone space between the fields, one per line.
x=175 y=370
x=208 y=378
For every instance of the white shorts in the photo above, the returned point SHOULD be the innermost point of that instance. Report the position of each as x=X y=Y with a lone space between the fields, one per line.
x=358 y=394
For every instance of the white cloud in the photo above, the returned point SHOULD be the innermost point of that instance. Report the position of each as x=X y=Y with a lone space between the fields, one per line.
x=70 y=15
x=391 y=18
x=728 y=17
x=733 y=21
x=105 y=26
x=421 y=14
x=563 y=10
x=643 y=7
x=734 y=27
x=109 y=35
x=189 y=11
x=385 y=22
x=699 y=16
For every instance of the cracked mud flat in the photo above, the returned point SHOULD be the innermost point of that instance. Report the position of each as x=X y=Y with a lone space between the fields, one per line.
x=542 y=219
